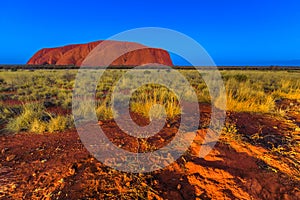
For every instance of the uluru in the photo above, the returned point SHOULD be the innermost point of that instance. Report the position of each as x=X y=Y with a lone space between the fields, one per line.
x=118 y=53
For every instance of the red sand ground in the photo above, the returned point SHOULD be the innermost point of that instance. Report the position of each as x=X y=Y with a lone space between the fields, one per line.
x=241 y=166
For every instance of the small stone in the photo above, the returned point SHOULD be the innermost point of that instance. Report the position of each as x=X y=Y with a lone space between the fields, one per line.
x=10 y=158
x=73 y=169
x=178 y=187
x=162 y=140
x=4 y=150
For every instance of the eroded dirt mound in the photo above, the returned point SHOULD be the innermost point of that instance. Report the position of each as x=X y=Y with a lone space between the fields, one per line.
x=76 y=54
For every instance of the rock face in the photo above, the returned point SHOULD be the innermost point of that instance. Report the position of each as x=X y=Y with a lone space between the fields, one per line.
x=77 y=53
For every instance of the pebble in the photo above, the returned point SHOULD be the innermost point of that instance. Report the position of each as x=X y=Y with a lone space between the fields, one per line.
x=72 y=171
x=10 y=157
x=4 y=150
x=178 y=187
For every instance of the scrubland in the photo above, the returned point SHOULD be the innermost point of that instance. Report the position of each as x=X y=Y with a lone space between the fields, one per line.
x=28 y=97
x=256 y=157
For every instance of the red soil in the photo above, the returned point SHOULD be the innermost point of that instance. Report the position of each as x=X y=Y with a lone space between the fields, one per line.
x=57 y=166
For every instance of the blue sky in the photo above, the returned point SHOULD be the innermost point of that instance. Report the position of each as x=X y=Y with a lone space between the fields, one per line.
x=256 y=32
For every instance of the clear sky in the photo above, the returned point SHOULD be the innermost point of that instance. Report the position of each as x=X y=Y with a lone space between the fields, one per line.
x=240 y=32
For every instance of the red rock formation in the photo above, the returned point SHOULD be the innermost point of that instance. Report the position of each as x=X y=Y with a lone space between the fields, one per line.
x=76 y=54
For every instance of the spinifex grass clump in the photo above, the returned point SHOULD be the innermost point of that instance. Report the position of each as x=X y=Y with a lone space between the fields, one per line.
x=23 y=122
x=145 y=99
x=38 y=126
x=58 y=123
x=34 y=118
x=104 y=110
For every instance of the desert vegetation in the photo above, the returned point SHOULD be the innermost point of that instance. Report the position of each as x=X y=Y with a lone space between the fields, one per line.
x=262 y=128
x=36 y=98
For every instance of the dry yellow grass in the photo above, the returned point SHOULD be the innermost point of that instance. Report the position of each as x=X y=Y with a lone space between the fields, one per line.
x=145 y=104
x=259 y=91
